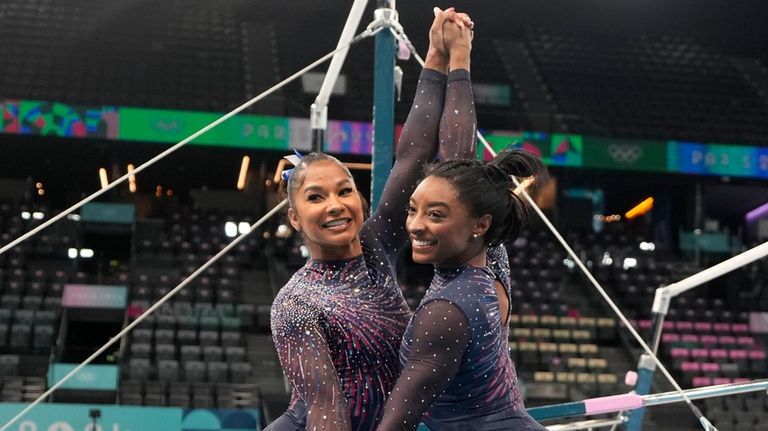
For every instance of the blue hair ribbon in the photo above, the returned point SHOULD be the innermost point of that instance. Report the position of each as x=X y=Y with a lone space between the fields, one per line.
x=294 y=159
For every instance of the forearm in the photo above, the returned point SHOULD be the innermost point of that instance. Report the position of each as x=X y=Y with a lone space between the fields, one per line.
x=308 y=365
x=434 y=359
x=330 y=412
x=416 y=147
x=420 y=131
x=458 y=122
x=406 y=405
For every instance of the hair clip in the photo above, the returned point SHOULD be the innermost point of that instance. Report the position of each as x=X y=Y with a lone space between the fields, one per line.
x=293 y=159
x=523 y=185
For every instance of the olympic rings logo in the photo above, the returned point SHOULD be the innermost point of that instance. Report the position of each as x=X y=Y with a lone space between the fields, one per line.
x=624 y=153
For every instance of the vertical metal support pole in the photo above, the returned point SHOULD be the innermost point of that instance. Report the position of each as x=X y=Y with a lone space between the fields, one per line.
x=645 y=370
x=319 y=110
x=383 y=108
x=318 y=133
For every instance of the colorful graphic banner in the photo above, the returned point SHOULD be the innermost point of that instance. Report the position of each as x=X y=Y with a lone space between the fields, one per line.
x=566 y=150
x=349 y=137
x=59 y=119
x=556 y=149
x=76 y=417
x=501 y=140
x=9 y=118
x=346 y=137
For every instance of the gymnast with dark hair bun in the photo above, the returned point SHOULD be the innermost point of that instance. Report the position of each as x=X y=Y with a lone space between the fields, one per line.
x=338 y=322
x=457 y=372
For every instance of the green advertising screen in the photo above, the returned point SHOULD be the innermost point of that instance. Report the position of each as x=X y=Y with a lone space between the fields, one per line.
x=244 y=131
x=611 y=153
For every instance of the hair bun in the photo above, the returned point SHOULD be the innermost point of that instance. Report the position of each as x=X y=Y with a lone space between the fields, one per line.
x=496 y=175
x=520 y=163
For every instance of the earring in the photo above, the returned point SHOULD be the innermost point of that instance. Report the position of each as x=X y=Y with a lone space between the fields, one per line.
x=475 y=236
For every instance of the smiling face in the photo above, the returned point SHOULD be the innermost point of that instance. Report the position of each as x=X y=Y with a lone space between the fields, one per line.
x=441 y=227
x=327 y=210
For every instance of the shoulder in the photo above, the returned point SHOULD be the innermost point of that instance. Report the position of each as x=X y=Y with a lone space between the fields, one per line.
x=498 y=264
x=293 y=307
x=292 y=287
x=460 y=285
x=441 y=311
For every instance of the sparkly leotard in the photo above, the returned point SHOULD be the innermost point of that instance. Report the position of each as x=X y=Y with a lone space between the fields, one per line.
x=457 y=373
x=337 y=326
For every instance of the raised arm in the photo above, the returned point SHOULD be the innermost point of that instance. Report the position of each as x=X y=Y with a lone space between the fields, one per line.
x=440 y=337
x=416 y=147
x=307 y=363
x=458 y=122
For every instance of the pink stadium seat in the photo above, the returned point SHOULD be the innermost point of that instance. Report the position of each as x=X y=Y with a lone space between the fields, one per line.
x=690 y=338
x=702 y=327
x=740 y=328
x=691 y=367
x=710 y=368
x=700 y=354
x=719 y=355
x=737 y=354
x=701 y=381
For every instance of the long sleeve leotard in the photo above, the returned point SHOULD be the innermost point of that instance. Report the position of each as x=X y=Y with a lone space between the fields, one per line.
x=457 y=373
x=337 y=326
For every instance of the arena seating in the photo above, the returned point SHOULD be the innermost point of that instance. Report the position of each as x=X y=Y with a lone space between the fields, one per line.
x=203 y=56
x=182 y=54
x=200 y=338
x=210 y=347
x=647 y=87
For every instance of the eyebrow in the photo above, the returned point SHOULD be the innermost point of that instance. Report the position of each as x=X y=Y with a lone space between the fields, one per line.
x=435 y=204
x=318 y=188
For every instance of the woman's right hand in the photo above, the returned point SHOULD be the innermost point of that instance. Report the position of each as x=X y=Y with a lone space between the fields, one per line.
x=458 y=32
x=436 y=43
